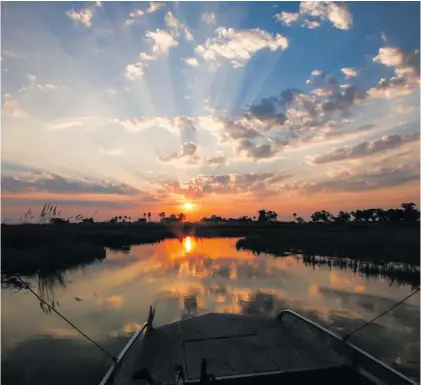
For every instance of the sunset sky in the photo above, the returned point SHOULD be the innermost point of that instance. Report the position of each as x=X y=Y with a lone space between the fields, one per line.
x=125 y=108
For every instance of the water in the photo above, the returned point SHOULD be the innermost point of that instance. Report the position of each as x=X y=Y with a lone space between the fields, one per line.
x=109 y=299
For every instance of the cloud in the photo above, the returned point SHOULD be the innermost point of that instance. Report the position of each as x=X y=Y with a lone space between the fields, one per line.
x=287 y=18
x=85 y=15
x=114 y=302
x=109 y=150
x=317 y=11
x=41 y=181
x=12 y=109
x=161 y=41
x=239 y=46
x=145 y=56
x=175 y=125
x=310 y=24
x=349 y=72
x=191 y=61
x=133 y=17
x=70 y=122
x=365 y=149
x=188 y=149
x=407 y=72
x=256 y=184
x=154 y=6
x=173 y=23
x=209 y=18
x=338 y=15
x=215 y=160
x=373 y=179
x=188 y=35
x=317 y=73
x=134 y=71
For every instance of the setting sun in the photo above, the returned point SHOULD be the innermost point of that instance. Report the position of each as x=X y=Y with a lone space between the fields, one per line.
x=188 y=206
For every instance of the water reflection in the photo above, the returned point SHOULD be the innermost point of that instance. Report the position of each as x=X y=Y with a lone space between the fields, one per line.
x=185 y=277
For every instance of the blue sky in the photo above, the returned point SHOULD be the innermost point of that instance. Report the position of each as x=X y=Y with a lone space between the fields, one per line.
x=151 y=105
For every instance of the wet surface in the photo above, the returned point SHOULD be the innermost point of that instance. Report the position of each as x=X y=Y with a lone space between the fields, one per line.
x=110 y=298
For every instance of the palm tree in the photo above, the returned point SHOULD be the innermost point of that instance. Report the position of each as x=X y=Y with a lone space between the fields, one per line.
x=181 y=217
x=144 y=215
x=149 y=216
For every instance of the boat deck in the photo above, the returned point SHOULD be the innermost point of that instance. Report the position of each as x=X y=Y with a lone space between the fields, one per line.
x=231 y=344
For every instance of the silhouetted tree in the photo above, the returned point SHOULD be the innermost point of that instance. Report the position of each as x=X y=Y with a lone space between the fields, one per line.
x=300 y=220
x=343 y=217
x=181 y=217
x=262 y=216
x=144 y=215
x=410 y=213
x=149 y=216
x=265 y=216
x=322 y=217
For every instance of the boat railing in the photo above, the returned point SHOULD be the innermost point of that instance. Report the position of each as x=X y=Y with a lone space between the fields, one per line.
x=360 y=360
x=108 y=378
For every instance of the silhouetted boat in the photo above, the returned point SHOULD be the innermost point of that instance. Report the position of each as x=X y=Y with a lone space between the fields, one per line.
x=244 y=349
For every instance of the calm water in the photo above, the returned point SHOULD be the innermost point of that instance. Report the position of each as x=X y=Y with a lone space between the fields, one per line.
x=108 y=300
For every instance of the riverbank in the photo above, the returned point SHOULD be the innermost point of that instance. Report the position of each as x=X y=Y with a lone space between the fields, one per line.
x=31 y=247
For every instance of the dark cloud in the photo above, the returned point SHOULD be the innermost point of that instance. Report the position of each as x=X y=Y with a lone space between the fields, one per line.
x=256 y=183
x=369 y=180
x=54 y=183
x=188 y=150
x=365 y=149
x=215 y=160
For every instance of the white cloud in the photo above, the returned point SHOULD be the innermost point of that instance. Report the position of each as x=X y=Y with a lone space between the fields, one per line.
x=145 y=56
x=338 y=15
x=70 y=122
x=322 y=91
x=209 y=18
x=162 y=41
x=171 y=21
x=173 y=125
x=391 y=57
x=136 y=13
x=134 y=71
x=287 y=18
x=11 y=108
x=238 y=46
x=133 y=16
x=46 y=87
x=317 y=73
x=407 y=72
x=191 y=61
x=188 y=35
x=154 y=6
x=349 y=72
x=310 y=24
x=106 y=150
x=84 y=16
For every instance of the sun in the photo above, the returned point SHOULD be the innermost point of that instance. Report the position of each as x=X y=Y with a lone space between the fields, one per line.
x=188 y=205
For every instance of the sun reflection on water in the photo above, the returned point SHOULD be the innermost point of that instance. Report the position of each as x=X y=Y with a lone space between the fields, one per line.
x=188 y=244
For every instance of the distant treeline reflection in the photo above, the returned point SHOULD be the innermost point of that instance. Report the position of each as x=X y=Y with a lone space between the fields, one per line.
x=399 y=273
